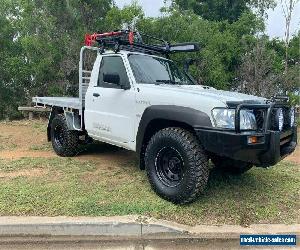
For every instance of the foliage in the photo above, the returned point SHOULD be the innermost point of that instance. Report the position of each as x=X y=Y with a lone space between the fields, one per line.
x=116 y=18
x=41 y=40
x=216 y=10
x=221 y=43
x=255 y=74
x=40 y=43
x=294 y=99
x=220 y=10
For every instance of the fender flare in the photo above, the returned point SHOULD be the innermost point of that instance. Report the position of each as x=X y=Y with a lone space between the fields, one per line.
x=189 y=116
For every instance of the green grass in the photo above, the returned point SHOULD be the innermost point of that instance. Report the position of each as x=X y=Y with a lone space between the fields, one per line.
x=43 y=147
x=78 y=188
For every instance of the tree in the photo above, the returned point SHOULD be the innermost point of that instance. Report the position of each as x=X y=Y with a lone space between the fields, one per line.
x=11 y=66
x=216 y=10
x=260 y=7
x=117 y=18
x=221 y=44
x=291 y=76
x=287 y=8
x=40 y=43
x=256 y=75
x=225 y=10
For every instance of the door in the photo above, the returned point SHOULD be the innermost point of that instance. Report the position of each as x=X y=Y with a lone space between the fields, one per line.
x=109 y=109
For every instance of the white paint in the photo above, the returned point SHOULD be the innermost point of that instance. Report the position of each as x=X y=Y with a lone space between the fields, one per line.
x=115 y=115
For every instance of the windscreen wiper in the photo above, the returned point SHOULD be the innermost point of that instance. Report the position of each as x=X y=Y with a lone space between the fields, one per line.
x=169 y=82
x=165 y=82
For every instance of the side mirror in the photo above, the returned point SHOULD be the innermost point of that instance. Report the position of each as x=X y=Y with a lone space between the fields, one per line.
x=113 y=78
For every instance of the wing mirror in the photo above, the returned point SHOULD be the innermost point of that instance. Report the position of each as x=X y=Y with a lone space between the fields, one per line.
x=114 y=78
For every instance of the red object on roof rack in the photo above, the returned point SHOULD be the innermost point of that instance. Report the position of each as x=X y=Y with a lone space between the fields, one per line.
x=89 y=40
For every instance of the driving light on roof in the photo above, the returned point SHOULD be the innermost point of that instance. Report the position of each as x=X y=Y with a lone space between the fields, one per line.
x=187 y=47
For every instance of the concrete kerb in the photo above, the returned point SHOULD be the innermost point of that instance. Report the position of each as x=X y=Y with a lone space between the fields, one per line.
x=136 y=227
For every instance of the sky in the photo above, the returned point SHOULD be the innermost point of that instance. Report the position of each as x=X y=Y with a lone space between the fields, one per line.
x=275 y=24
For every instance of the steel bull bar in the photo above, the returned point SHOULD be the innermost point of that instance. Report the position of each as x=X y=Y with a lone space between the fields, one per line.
x=269 y=147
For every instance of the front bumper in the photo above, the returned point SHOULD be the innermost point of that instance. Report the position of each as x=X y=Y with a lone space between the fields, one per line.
x=271 y=147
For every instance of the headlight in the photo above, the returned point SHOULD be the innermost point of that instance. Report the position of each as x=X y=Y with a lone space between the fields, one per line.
x=224 y=118
x=292 y=116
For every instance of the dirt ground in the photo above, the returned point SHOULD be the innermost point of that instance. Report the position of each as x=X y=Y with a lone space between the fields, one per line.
x=21 y=139
x=295 y=157
x=28 y=139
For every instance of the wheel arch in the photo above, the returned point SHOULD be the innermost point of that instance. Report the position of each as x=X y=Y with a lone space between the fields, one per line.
x=158 y=117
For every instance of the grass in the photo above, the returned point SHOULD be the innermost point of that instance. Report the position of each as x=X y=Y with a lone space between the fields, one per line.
x=75 y=187
x=43 y=147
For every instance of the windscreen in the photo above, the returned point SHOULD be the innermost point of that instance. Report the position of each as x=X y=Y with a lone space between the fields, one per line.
x=154 y=70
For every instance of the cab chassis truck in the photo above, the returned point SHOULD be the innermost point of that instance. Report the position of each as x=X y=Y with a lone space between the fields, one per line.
x=136 y=98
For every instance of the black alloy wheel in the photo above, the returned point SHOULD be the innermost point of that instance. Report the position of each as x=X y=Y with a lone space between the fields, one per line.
x=169 y=166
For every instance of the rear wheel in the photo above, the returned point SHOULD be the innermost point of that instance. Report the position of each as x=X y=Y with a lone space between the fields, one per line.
x=65 y=142
x=176 y=165
x=230 y=166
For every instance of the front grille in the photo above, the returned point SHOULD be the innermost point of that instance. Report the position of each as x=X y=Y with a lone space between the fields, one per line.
x=260 y=118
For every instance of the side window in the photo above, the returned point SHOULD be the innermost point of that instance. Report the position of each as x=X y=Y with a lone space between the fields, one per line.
x=110 y=65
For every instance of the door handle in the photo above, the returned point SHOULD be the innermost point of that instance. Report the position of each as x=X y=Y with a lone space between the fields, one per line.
x=96 y=94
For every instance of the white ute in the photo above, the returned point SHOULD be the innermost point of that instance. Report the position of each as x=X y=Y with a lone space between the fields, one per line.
x=138 y=99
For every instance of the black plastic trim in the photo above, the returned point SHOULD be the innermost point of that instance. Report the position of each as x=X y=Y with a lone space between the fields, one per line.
x=274 y=145
x=190 y=116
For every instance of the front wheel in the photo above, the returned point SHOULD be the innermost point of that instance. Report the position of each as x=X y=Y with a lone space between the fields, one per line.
x=176 y=165
x=65 y=142
x=230 y=166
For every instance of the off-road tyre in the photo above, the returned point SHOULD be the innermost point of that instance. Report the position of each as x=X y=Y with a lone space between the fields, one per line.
x=65 y=142
x=188 y=154
x=230 y=166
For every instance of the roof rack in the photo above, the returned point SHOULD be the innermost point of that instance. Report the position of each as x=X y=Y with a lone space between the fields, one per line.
x=133 y=41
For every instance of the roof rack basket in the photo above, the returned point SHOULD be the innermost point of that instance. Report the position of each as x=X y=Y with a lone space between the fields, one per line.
x=133 y=41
